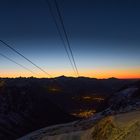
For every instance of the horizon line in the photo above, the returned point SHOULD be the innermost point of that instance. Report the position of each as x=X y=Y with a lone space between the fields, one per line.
x=67 y=77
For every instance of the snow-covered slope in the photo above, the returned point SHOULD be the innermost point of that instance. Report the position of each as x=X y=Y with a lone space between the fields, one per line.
x=125 y=126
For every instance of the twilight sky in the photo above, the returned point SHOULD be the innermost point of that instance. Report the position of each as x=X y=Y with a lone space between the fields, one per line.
x=104 y=36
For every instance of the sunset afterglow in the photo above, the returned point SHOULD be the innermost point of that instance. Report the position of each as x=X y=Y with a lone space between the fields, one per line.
x=120 y=73
x=104 y=40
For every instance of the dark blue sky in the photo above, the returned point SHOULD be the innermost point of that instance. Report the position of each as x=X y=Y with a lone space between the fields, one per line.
x=104 y=36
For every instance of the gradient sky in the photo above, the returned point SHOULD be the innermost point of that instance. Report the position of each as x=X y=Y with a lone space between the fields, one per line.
x=104 y=36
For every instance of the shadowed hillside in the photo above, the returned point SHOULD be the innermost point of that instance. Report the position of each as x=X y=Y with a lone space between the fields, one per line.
x=119 y=121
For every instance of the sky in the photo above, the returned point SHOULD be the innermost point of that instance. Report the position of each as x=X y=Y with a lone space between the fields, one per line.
x=104 y=36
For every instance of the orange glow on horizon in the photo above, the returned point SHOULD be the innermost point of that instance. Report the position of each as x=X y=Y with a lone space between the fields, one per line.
x=97 y=73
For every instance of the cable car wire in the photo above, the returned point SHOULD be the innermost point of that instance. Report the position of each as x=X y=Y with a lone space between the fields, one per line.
x=9 y=46
x=66 y=35
x=60 y=34
x=6 y=57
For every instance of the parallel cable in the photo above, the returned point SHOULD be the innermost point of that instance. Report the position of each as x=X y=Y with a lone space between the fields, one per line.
x=25 y=58
x=60 y=34
x=6 y=57
x=64 y=29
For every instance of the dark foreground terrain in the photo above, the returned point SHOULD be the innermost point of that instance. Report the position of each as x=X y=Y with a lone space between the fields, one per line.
x=28 y=104
x=120 y=120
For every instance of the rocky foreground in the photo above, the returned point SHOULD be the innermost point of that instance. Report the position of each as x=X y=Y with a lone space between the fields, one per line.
x=124 y=126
